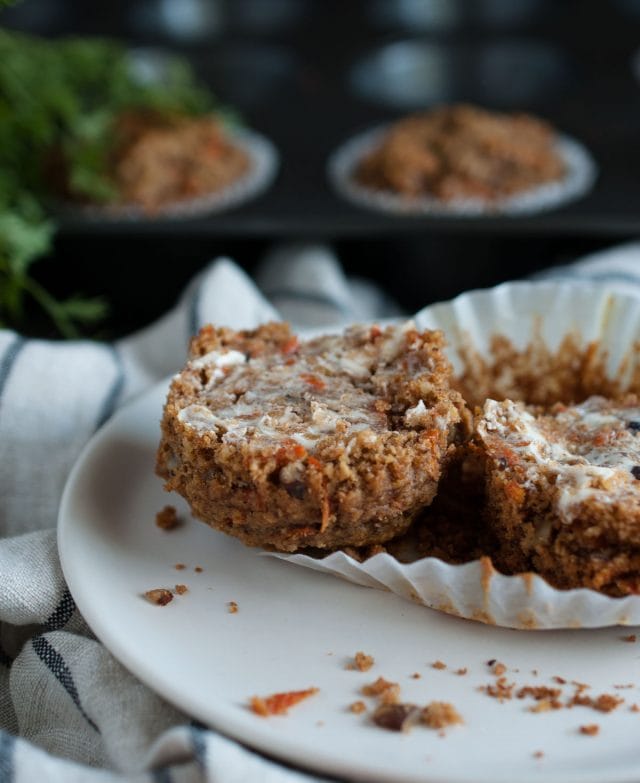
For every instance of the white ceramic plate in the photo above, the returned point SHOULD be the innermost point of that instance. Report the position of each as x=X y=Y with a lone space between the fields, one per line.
x=296 y=628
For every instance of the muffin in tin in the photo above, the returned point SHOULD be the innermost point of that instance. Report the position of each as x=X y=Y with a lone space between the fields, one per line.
x=335 y=441
x=166 y=166
x=461 y=160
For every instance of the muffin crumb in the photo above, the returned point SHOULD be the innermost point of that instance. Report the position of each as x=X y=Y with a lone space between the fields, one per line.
x=390 y=695
x=378 y=687
x=159 y=596
x=440 y=714
x=500 y=690
x=361 y=662
x=545 y=705
x=167 y=519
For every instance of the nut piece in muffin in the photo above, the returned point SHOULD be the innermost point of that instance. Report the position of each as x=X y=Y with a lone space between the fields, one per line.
x=463 y=152
x=337 y=441
x=563 y=491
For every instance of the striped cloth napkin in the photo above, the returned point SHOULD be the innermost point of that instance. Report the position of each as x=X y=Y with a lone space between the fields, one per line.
x=68 y=710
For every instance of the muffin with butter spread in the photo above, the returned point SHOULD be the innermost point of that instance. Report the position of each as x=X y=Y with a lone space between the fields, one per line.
x=287 y=444
x=563 y=491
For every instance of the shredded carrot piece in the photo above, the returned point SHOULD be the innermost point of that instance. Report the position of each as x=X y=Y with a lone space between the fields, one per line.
x=290 y=346
x=289 y=450
x=279 y=703
x=313 y=380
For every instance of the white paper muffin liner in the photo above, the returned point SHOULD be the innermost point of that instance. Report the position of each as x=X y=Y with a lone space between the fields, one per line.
x=581 y=172
x=257 y=179
x=475 y=590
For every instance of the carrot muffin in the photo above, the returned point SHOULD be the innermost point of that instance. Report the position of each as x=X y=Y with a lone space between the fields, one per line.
x=463 y=152
x=563 y=491
x=157 y=159
x=333 y=442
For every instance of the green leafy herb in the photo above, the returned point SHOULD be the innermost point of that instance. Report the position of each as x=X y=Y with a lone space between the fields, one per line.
x=59 y=102
x=25 y=235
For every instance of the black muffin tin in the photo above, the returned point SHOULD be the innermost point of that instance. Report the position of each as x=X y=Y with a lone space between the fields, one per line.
x=310 y=74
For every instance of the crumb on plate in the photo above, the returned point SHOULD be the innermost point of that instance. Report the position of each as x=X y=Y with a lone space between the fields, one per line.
x=440 y=714
x=396 y=717
x=361 y=662
x=378 y=687
x=279 y=703
x=159 y=596
x=167 y=519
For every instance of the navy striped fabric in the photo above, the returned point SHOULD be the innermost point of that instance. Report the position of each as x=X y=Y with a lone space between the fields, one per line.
x=56 y=665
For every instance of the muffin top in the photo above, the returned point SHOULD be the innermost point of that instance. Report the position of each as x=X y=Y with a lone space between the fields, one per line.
x=463 y=152
x=586 y=451
x=366 y=381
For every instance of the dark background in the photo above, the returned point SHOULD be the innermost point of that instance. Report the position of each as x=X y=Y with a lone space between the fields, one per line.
x=311 y=73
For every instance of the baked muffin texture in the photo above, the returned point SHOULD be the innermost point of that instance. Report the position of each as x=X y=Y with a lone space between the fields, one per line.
x=563 y=491
x=286 y=444
x=157 y=160
x=463 y=152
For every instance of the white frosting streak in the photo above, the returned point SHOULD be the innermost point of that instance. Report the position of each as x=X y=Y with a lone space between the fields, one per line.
x=218 y=360
x=587 y=450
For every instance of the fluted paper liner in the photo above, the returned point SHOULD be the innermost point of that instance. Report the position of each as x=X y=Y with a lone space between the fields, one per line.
x=263 y=167
x=521 y=311
x=580 y=174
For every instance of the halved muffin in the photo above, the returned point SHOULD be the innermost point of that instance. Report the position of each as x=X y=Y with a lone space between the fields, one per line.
x=337 y=441
x=563 y=491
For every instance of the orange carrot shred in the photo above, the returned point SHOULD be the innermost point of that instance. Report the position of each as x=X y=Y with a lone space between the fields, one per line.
x=290 y=346
x=313 y=380
x=279 y=703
